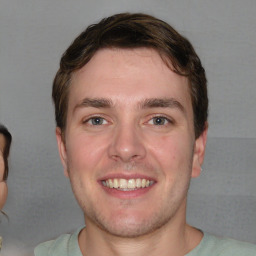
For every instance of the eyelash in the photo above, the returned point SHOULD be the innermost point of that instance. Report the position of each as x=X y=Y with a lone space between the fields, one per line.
x=166 y=119
x=90 y=119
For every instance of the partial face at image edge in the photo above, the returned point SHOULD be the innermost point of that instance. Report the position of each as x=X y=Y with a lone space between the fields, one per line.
x=3 y=185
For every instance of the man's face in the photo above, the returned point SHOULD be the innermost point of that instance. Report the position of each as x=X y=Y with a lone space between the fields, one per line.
x=3 y=186
x=129 y=147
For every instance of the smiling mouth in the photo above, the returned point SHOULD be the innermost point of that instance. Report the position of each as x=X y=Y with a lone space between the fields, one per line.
x=127 y=184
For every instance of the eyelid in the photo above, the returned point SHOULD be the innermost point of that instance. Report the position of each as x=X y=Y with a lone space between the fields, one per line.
x=88 y=118
x=167 y=118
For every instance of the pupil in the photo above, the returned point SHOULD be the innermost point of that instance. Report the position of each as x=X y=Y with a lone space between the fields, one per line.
x=96 y=121
x=158 y=120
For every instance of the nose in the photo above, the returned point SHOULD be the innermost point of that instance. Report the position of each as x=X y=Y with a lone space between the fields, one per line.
x=127 y=144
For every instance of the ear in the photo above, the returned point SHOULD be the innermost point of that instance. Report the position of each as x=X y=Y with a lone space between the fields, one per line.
x=62 y=150
x=199 y=152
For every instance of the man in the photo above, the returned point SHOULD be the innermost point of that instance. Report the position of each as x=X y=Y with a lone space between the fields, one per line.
x=131 y=110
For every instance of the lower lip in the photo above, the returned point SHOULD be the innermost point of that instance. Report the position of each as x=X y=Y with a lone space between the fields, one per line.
x=127 y=194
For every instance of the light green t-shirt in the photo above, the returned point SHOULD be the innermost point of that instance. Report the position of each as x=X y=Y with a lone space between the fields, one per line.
x=67 y=245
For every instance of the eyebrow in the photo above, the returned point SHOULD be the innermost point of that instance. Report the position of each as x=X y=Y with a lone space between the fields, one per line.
x=162 y=103
x=146 y=103
x=94 y=103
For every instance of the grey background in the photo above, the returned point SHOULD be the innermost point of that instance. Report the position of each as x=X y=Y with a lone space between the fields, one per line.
x=34 y=34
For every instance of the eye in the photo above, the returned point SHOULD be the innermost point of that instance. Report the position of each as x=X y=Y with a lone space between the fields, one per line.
x=159 y=120
x=97 y=120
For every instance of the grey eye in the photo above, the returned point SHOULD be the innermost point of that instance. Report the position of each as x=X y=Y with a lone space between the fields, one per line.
x=97 y=121
x=159 y=120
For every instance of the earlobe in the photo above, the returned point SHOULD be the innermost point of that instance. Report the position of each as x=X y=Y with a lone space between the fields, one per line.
x=62 y=150
x=199 y=152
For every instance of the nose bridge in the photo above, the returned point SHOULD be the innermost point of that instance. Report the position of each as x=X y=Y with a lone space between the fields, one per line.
x=127 y=142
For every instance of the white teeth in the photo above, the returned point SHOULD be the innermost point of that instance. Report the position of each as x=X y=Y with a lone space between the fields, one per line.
x=111 y=185
x=143 y=183
x=115 y=183
x=138 y=183
x=124 y=184
x=131 y=183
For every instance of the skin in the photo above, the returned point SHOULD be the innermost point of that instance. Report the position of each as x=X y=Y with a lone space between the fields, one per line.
x=132 y=88
x=3 y=185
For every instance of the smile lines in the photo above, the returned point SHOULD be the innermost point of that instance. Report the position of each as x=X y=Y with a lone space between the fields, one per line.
x=126 y=185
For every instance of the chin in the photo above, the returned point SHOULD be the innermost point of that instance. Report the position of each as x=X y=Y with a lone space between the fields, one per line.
x=131 y=226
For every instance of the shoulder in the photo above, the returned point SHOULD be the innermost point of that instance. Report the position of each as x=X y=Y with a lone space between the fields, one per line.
x=53 y=247
x=213 y=245
x=61 y=246
x=233 y=247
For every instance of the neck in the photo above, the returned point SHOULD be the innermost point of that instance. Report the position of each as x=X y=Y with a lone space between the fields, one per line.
x=175 y=238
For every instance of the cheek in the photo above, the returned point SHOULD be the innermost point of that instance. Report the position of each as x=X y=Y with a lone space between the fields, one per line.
x=1 y=168
x=3 y=194
x=85 y=152
x=171 y=150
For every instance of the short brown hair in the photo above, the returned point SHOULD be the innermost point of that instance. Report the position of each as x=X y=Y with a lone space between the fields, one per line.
x=127 y=30
x=8 y=140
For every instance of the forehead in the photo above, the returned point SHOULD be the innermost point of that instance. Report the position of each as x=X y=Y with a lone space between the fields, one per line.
x=127 y=74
